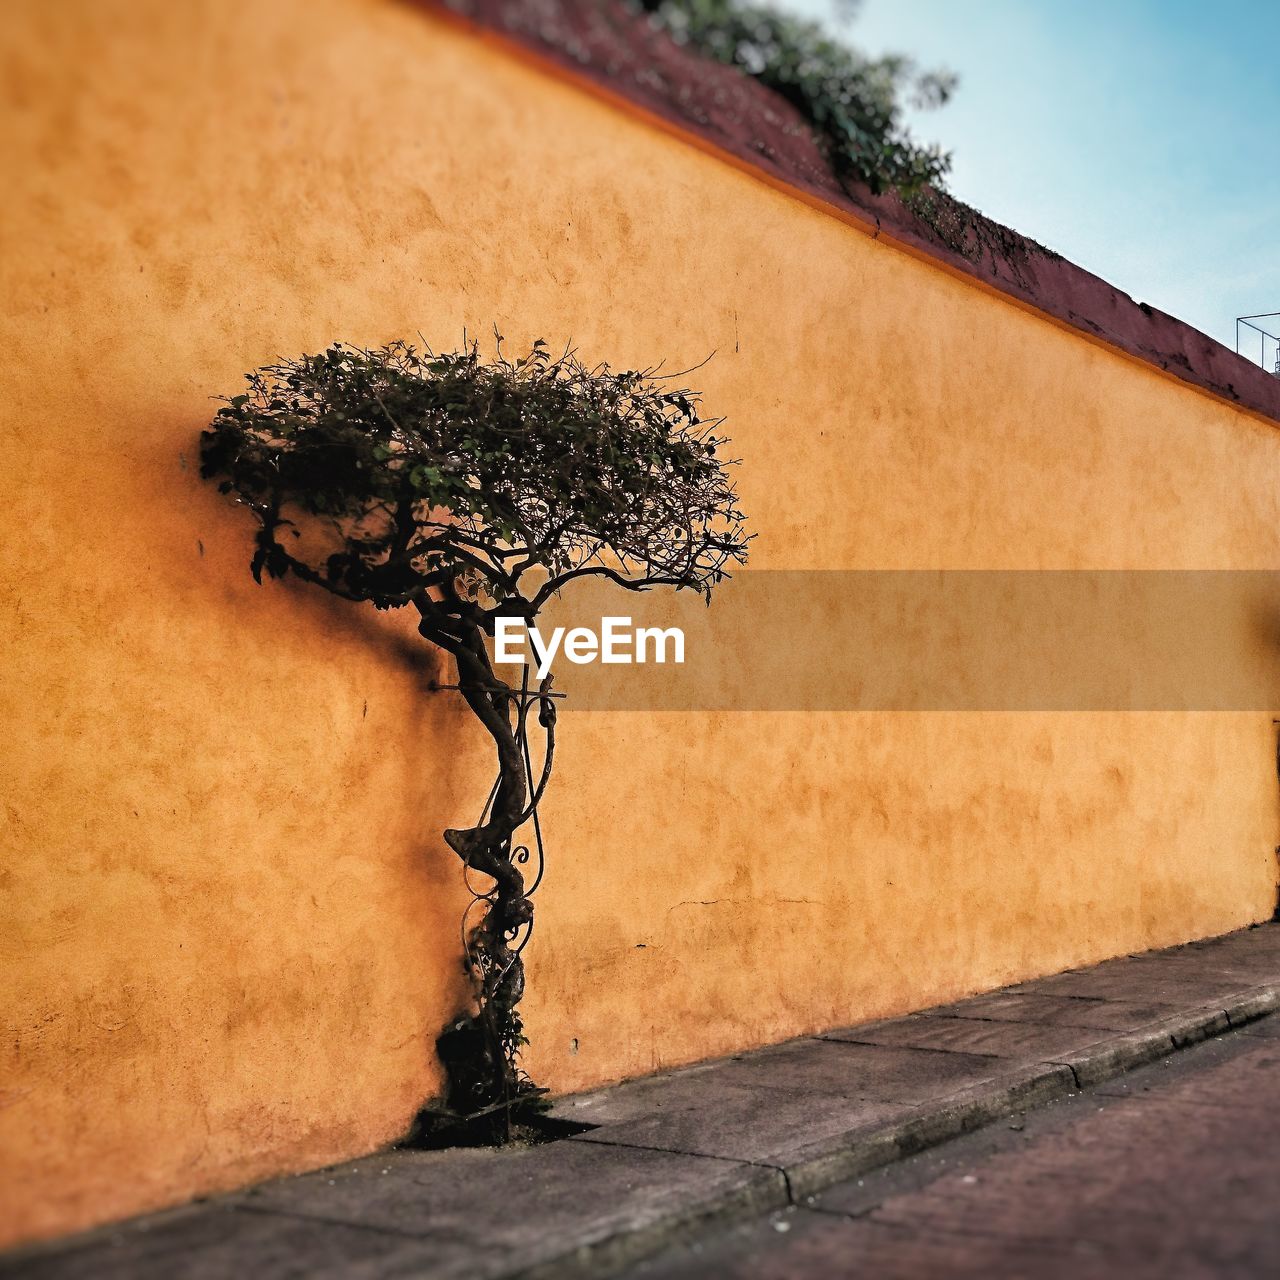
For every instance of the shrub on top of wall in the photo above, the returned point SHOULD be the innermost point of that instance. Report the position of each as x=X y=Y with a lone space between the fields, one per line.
x=854 y=103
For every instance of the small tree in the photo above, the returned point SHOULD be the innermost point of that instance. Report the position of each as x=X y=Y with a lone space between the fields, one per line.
x=471 y=490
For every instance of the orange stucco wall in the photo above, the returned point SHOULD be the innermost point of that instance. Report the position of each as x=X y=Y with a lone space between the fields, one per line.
x=228 y=926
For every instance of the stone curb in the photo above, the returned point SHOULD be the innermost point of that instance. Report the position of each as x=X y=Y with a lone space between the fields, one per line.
x=870 y=1147
x=928 y=1126
x=609 y=1253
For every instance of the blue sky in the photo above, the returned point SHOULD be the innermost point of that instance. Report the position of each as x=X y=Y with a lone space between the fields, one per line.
x=1140 y=138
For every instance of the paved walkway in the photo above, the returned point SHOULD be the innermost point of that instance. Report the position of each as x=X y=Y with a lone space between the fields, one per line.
x=672 y=1156
x=1171 y=1173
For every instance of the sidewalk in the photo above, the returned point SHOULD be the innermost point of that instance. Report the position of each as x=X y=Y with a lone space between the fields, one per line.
x=722 y=1140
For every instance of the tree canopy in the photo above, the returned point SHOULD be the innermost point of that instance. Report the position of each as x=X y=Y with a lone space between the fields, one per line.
x=449 y=472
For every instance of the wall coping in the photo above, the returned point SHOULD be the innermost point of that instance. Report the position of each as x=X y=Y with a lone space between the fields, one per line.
x=619 y=56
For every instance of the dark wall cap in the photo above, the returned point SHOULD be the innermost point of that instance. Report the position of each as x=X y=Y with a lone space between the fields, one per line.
x=606 y=45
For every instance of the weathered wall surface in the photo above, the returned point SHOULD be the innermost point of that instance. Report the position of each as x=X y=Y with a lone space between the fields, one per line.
x=228 y=927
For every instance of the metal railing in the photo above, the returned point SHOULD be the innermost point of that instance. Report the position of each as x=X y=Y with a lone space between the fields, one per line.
x=1267 y=341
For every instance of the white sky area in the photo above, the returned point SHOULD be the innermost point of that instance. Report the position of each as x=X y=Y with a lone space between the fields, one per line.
x=1139 y=138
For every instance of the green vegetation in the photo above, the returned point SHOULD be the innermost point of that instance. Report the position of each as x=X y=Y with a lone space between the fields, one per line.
x=854 y=103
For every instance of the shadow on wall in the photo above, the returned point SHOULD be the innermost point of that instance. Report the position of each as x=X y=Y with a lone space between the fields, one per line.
x=228 y=858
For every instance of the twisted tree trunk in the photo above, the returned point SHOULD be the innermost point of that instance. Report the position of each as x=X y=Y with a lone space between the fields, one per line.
x=480 y=1051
